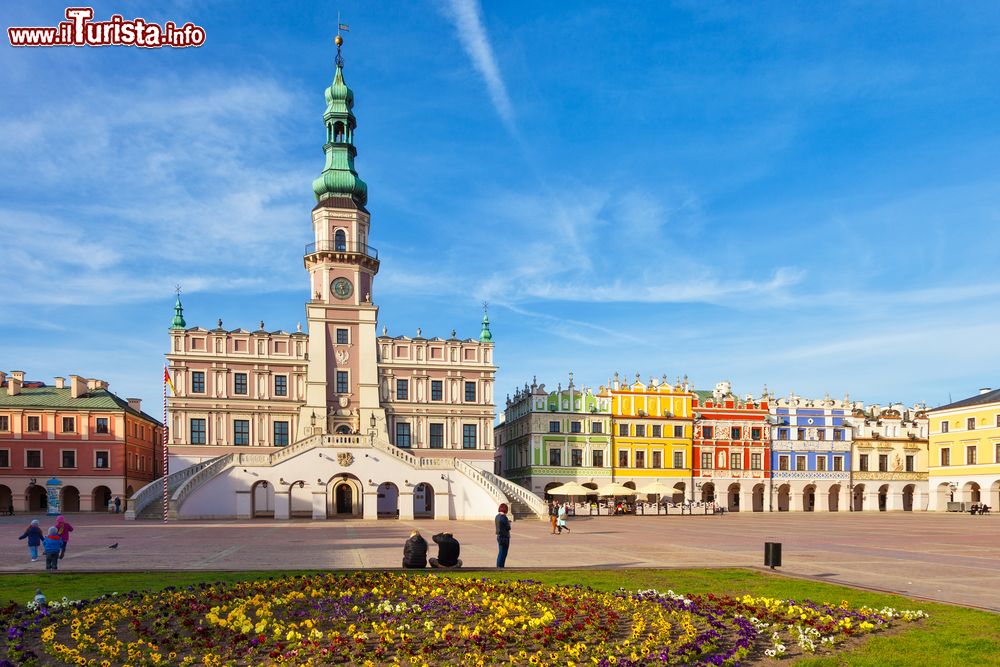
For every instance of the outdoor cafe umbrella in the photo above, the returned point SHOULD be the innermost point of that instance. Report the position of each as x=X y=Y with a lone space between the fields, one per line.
x=614 y=489
x=660 y=489
x=570 y=489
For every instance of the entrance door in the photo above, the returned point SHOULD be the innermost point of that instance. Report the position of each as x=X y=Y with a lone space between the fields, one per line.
x=345 y=499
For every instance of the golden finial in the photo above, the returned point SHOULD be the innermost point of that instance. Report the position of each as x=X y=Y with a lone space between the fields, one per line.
x=338 y=40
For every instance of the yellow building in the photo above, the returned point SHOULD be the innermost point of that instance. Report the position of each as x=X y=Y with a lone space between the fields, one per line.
x=651 y=430
x=965 y=452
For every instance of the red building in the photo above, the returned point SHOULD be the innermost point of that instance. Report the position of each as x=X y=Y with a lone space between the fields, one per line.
x=96 y=444
x=731 y=449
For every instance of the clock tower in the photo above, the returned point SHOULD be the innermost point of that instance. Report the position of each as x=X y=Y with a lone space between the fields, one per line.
x=342 y=377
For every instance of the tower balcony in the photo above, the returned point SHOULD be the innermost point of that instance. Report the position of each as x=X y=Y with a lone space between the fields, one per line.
x=342 y=251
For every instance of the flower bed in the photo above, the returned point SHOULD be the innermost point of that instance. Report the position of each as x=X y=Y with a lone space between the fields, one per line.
x=370 y=618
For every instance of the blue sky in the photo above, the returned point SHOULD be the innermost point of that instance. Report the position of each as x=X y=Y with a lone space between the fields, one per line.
x=804 y=196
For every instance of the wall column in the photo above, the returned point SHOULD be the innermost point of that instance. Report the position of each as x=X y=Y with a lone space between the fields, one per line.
x=243 y=505
x=281 y=505
x=406 y=504
x=319 y=504
x=370 y=504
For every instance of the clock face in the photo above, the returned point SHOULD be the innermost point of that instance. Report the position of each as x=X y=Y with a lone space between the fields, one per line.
x=342 y=288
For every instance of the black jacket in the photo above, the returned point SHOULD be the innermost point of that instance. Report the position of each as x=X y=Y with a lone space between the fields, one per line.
x=503 y=525
x=415 y=552
x=448 y=549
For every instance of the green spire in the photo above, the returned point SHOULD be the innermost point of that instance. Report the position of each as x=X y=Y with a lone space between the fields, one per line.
x=485 y=336
x=178 y=322
x=339 y=177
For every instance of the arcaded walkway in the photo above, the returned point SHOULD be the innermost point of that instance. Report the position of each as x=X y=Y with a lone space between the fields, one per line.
x=950 y=557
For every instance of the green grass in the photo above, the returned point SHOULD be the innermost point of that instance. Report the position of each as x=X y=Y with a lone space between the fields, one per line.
x=951 y=636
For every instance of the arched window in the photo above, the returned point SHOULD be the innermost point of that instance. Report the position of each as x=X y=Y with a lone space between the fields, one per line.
x=338 y=133
x=340 y=241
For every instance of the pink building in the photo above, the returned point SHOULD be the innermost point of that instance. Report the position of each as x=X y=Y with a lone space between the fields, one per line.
x=96 y=444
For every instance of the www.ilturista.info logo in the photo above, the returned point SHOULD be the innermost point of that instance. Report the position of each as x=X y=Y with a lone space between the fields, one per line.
x=80 y=30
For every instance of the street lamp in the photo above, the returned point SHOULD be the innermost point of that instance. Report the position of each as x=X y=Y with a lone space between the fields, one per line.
x=953 y=488
x=372 y=430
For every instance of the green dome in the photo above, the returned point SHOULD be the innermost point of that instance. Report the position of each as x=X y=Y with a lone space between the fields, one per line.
x=339 y=178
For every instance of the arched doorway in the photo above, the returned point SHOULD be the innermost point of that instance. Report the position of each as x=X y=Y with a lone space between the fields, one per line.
x=908 y=497
x=994 y=501
x=6 y=498
x=299 y=500
x=784 y=493
x=733 y=494
x=344 y=429
x=809 y=498
x=943 y=496
x=550 y=485
x=680 y=491
x=100 y=497
x=708 y=492
x=970 y=493
x=423 y=501
x=883 y=498
x=344 y=497
x=758 y=498
x=858 y=499
x=69 y=500
x=36 y=498
x=262 y=500
x=833 y=499
x=388 y=501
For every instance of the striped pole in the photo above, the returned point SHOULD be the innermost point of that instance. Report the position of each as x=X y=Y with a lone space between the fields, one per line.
x=166 y=503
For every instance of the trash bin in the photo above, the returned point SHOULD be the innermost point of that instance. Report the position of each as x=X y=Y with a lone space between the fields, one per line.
x=772 y=554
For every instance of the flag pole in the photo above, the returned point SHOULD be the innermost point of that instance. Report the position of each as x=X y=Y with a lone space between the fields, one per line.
x=166 y=502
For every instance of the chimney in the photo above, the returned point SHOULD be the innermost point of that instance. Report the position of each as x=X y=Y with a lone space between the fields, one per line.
x=984 y=390
x=3 y=376
x=18 y=375
x=60 y=383
x=91 y=384
x=77 y=386
x=14 y=384
x=135 y=404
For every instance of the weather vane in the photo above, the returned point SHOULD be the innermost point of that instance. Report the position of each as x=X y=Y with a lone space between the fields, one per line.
x=338 y=40
x=177 y=289
x=486 y=306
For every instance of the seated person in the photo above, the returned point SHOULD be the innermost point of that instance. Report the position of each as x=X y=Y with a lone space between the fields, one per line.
x=448 y=551
x=415 y=551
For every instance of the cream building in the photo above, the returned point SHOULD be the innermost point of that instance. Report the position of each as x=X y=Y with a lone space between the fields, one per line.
x=889 y=462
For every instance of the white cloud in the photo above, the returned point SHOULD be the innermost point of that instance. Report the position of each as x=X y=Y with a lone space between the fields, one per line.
x=466 y=16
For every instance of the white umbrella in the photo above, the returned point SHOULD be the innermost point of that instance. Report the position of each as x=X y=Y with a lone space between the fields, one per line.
x=570 y=489
x=615 y=489
x=660 y=489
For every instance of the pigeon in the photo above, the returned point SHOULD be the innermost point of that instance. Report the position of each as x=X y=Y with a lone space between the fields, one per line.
x=113 y=546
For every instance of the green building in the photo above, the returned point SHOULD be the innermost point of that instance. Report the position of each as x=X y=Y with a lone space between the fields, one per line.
x=546 y=438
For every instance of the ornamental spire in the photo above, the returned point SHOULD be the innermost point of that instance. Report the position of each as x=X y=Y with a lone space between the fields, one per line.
x=178 y=321
x=485 y=336
x=339 y=178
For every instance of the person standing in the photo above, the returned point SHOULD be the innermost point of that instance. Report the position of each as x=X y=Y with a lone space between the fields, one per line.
x=118 y=504
x=415 y=551
x=53 y=545
x=561 y=520
x=553 y=514
x=63 y=529
x=34 y=535
x=502 y=524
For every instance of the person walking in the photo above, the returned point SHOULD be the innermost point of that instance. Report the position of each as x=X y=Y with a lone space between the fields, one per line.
x=53 y=546
x=561 y=520
x=118 y=504
x=502 y=524
x=63 y=529
x=34 y=534
x=553 y=514
x=415 y=551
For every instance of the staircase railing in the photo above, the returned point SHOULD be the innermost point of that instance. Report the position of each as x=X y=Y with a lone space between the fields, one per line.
x=214 y=467
x=536 y=504
x=153 y=492
x=477 y=474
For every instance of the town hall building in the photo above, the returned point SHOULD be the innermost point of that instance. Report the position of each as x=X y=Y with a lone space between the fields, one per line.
x=336 y=420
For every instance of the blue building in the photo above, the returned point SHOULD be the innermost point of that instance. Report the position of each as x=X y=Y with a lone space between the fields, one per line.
x=810 y=455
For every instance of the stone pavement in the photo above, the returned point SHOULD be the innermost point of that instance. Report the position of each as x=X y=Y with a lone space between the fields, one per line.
x=948 y=557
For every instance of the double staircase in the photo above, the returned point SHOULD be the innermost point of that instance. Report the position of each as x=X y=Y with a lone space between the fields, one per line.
x=147 y=502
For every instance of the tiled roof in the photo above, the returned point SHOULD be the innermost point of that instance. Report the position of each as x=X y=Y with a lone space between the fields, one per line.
x=978 y=399
x=54 y=398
